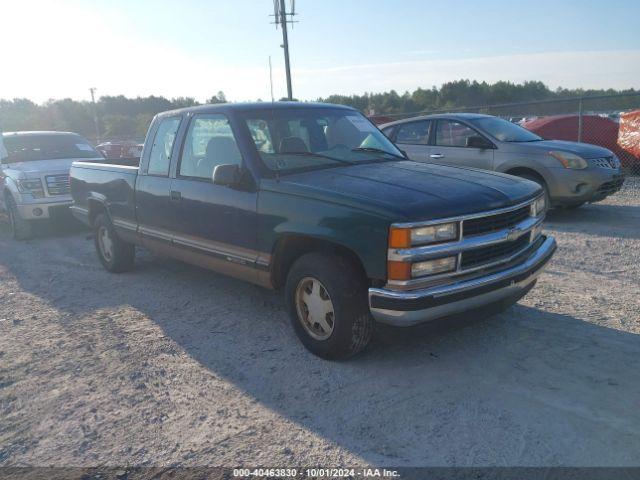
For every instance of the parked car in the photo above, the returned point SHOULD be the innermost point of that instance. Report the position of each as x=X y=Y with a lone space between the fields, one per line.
x=34 y=176
x=596 y=130
x=570 y=173
x=128 y=152
x=314 y=199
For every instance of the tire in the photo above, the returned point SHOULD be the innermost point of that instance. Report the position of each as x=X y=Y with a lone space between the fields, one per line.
x=542 y=183
x=115 y=254
x=21 y=229
x=316 y=278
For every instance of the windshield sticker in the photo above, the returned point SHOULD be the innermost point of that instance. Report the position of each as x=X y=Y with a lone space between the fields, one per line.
x=361 y=123
x=84 y=147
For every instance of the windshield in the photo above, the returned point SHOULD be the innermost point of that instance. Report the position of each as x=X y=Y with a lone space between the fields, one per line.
x=26 y=148
x=504 y=130
x=306 y=138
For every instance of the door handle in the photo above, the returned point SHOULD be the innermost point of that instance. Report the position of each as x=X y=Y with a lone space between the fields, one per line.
x=175 y=196
x=436 y=155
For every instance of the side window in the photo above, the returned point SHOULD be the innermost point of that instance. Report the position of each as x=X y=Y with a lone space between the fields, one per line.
x=388 y=132
x=414 y=133
x=160 y=156
x=450 y=133
x=209 y=143
x=261 y=136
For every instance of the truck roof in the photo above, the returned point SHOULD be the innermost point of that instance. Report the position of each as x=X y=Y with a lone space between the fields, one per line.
x=220 y=107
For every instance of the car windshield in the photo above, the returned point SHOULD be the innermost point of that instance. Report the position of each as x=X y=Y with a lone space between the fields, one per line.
x=504 y=130
x=305 y=138
x=26 y=148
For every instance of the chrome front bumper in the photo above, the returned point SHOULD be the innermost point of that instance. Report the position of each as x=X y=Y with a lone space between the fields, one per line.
x=41 y=209
x=404 y=308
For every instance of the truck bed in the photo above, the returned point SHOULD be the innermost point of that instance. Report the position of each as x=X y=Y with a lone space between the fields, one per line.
x=111 y=185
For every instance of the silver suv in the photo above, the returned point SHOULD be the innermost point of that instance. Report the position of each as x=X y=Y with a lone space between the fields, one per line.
x=34 y=176
x=571 y=173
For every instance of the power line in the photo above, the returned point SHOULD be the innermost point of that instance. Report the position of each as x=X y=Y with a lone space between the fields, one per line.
x=282 y=17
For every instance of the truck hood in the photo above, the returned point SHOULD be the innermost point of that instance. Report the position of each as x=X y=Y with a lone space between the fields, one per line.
x=411 y=191
x=585 y=150
x=37 y=168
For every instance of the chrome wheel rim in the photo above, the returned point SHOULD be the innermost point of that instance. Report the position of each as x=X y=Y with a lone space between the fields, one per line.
x=315 y=308
x=105 y=243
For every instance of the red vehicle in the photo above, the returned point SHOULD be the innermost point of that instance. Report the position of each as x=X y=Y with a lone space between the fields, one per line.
x=596 y=130
x=119 y=150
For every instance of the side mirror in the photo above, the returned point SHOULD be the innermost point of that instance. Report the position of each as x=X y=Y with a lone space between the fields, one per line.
x=227 y=175
x=476 y=141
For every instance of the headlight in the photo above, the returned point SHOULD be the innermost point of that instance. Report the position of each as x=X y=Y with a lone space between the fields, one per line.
x=539 y=206
x=408 y=237
x=432 y=267
x=570 y=160
x=33 y=187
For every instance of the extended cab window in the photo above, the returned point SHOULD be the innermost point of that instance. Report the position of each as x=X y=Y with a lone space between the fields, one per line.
x=160 y=156
x=209 y=143
x=414 y=133
x=450 y=133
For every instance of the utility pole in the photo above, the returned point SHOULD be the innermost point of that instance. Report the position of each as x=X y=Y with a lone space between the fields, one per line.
x=282 y=17
x=95 y=114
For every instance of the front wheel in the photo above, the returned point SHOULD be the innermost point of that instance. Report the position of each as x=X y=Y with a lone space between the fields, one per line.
x=115 y=254
x=542 y=183
x=21 y=229
x=327 y=301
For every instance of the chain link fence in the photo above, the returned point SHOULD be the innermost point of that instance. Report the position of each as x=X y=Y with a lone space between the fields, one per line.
x=611 y=121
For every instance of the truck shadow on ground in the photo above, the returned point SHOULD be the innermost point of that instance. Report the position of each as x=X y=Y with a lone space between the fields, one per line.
x=597 y=219
x=526 y=387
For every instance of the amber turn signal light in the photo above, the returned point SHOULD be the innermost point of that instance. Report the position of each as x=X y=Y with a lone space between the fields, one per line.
x=399 y=237
x=398 y=270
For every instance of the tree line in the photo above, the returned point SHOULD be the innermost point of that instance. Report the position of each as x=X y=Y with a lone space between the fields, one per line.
x=122 y=118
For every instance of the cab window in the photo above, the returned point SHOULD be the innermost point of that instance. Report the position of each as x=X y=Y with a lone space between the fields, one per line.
x=209 y=142
x=160 y=156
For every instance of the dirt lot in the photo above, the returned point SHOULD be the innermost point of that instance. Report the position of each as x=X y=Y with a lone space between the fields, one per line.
x=171 y=364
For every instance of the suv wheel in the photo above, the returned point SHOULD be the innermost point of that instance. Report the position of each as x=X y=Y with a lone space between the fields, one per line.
x=542 y=183
x=20 y=228
x=327 y=302
x=115 y=254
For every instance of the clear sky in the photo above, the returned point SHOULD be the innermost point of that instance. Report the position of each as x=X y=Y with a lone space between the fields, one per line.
x=57 y=49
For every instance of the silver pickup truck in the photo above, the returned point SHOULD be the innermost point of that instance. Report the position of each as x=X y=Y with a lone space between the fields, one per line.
x=34 y=175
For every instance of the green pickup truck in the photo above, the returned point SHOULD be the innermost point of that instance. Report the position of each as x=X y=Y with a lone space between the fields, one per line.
x=315 y=200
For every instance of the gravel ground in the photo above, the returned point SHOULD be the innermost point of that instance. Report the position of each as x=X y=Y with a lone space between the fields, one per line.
x=173 y=365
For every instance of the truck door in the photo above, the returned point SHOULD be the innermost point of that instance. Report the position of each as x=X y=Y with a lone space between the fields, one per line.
x=450 y=146
x=153 y=184
x=214 y=220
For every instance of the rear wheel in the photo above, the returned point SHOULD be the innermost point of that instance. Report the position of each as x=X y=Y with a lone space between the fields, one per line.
x=327 y=301
x=21 y=229
x=115 y=254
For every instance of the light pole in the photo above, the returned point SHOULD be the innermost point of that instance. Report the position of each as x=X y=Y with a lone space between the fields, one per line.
x=95 y=114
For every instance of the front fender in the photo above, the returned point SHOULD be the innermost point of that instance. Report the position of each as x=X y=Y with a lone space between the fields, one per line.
x=363 y=233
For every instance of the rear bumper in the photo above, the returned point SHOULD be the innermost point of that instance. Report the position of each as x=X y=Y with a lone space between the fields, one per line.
x=418 y=306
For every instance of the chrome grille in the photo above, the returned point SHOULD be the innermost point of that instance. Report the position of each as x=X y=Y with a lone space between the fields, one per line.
x=493 y=253
x=493 y=223
x=607 y=162
x=58 y=184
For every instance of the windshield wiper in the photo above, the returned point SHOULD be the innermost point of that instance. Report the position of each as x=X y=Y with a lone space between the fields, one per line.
x=311 y=154
x=376 y=150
